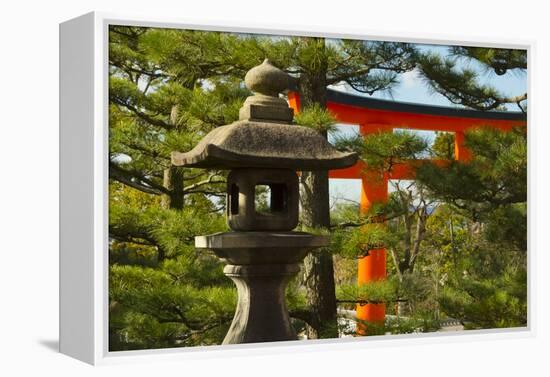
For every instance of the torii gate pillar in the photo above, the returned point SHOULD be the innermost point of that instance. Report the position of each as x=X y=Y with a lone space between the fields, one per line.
x=372 y=267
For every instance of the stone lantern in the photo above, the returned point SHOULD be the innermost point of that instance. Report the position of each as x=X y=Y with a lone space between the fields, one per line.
x=263 y=148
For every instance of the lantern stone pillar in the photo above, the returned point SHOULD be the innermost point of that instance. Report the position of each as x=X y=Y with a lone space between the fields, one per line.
x=261 y=313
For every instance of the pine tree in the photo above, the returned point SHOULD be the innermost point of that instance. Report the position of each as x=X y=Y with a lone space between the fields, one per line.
x=162 y=292
x=462 y=85
x=487 y=287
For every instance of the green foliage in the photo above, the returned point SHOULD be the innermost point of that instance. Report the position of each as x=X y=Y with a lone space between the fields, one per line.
x=401 y=325
x=347 y=212
x=370 y=66
x=458 y=85
x=444 y=146
x=169 y=229
x=497 y=176
x=163 y=311
x=357 y=242
x=163 y=292
x=418 y=324
x=482 y=250
x=498 y=59
x=373 y=292
x=495 y=302
x=461 y=84
x=315 y=117
x=508 y=225
x=382 y=150
x=352 y=143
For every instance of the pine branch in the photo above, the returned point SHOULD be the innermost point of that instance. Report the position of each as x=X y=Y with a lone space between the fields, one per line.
x=302 y=314
x=346 y=76
x=136 y=180
x=500 y=60
x=210 y=180
x=395 y=62
x=141 y=114
x=370 y=220
x=219 y=194
x=139 y=147
x=154 y=73
x=133 y=236
x=203 y=330
x=460 y=86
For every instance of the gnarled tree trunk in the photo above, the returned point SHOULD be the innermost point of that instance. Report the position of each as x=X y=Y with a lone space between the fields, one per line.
x=173 y=182
x=318 y=265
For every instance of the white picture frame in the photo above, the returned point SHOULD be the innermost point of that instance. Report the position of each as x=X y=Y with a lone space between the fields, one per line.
x=84 y=194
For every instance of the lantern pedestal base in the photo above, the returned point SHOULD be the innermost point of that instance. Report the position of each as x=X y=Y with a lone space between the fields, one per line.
x=261 y=264
x=261 y=314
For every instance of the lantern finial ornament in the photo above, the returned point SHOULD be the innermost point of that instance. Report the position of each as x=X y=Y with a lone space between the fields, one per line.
x=266 y=79
x=263 y=149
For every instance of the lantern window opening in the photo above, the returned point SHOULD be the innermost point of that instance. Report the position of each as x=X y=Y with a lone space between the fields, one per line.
x=270 y=198
x=234 y=199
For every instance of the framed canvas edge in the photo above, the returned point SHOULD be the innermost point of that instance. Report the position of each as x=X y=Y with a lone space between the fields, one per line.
x=102 y=355
x=77 y=279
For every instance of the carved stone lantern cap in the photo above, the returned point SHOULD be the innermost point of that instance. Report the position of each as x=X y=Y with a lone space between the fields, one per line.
x=264 y=137
x=266 y=79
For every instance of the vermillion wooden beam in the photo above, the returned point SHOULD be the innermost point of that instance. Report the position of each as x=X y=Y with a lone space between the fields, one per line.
x=356 y=109
x=356 y=115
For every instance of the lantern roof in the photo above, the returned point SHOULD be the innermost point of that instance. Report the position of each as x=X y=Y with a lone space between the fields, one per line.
x=264 y=136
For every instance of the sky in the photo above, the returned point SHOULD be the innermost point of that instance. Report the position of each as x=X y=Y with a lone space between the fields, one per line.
x=412 y=89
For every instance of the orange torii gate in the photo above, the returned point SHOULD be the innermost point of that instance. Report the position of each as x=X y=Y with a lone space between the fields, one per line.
x=376 y=115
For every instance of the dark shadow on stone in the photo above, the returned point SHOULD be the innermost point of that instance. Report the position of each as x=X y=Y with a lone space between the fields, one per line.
x=52 y=345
